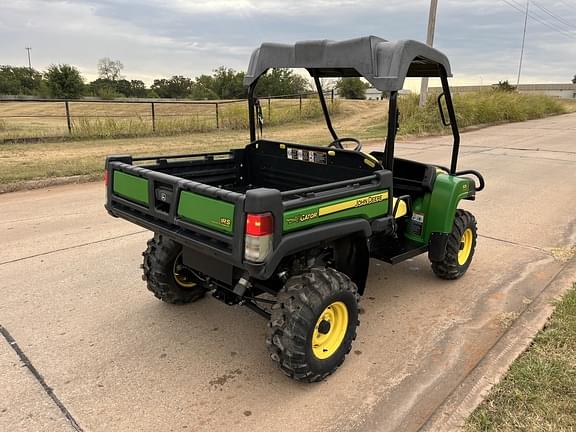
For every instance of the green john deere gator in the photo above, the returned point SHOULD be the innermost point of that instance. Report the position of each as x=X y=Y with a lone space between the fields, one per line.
x=288 y=230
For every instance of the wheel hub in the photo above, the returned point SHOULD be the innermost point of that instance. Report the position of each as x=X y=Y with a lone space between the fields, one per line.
x=465 y=246
x=181 y=275
x=330 y=330
x=324 y=327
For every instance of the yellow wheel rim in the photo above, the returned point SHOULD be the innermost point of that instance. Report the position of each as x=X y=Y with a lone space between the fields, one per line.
x=465 y=246
x=181 y=277
x=330 y=330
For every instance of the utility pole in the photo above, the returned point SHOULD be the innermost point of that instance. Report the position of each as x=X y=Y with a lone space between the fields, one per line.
x=429 y=41
x=523 y=41
x=29 y=62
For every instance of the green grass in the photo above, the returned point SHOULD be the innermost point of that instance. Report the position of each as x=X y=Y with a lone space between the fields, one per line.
x=539 y=391
x=473 y=109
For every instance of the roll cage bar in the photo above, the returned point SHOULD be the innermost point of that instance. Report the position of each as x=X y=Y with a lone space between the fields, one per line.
x=384 y=64
x=393 y=120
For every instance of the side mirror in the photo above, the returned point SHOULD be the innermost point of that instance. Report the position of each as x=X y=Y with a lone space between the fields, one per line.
x=441 y=109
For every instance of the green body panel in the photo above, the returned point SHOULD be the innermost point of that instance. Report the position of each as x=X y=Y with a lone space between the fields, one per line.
x=209 y=212
x=368 y=206
x=439 y=207
x=131 y=187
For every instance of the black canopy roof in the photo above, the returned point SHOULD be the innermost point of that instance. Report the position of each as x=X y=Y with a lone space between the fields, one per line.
x=383 y=63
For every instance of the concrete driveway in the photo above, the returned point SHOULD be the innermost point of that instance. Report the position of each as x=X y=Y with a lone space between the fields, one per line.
x=110 y=357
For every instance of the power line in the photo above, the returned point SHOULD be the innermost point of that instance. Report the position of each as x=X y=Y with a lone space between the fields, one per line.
x=522 y=10
x=553 y=15
x=542 y=19
x=570 y=5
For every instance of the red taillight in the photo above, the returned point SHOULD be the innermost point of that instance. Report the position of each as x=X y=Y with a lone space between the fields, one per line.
x=106 y=178
x=259 y=224
x=259 y=236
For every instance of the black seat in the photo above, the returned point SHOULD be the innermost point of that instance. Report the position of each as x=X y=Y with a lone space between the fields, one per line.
x=410 y=177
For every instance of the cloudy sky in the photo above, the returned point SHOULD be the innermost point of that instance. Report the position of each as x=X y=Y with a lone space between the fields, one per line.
x=160 y=38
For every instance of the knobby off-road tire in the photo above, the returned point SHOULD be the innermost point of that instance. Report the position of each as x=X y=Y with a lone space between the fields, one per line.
x=459 y=249
x=162 y=276
x=297 y=324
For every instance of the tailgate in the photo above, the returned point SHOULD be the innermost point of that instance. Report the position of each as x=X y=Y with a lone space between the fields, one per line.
x=205 y=215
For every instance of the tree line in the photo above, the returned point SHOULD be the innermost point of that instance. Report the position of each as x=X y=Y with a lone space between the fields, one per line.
x=65 y=81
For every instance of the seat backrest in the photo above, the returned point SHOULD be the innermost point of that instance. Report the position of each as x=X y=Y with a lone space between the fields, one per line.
x=411 y=177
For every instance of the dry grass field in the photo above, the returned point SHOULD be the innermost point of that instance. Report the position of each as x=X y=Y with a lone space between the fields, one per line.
x=34 y=161
x=106 y=119
x=84 y=155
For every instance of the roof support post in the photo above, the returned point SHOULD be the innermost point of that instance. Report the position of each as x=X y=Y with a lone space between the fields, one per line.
x=324 y=108
x=452 y=117
x=251 y=113
x=392 y=129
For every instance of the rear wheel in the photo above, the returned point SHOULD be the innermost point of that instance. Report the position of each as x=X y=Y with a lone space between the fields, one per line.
x=166 y=276
x=313 y=324
x=459 y=248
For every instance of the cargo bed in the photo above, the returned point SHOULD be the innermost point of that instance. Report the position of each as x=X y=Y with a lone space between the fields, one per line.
x=201 y=200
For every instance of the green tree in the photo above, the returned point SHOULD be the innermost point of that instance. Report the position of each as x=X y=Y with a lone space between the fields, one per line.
x=138 y=89
x=228 y=84
x=203 y=88
x=108 y=89
x=20 y=81
x=282 y=82
x=175 y=87
x=132 y=88
x=351 y=88
x=103 y=88
x=64 y=81
x=574 y=80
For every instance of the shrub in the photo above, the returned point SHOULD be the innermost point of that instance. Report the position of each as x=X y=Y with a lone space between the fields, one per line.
x=475 y=109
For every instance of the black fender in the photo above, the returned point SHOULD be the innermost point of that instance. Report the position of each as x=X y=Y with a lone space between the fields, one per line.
x=352 y=257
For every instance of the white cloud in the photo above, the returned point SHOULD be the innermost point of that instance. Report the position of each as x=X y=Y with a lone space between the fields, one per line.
x=156 y=38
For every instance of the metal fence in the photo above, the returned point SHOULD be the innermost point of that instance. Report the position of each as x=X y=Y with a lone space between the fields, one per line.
x=149 y=109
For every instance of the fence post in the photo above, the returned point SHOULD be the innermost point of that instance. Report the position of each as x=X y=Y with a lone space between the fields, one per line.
x=332 y=96
x=217 y=117
x=300 y=96
x=269 y=110
x=153 y=116
x=68 y=121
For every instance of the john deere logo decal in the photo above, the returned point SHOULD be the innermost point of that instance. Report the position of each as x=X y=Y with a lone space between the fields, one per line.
x=302 y=217
x=334 y=208
x=358 y=202
x=225 y=221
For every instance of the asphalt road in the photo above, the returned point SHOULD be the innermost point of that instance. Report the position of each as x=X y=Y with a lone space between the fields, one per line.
x=113 y=358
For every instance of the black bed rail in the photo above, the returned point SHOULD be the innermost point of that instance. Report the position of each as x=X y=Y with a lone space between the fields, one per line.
x=182 y=156
x=178 y=182
x=335 y=190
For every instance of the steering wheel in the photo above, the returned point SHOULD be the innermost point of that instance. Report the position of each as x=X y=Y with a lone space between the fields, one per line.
x=338 y=143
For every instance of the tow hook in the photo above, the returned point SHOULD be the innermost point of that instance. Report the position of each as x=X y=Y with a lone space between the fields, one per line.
x=241 y=287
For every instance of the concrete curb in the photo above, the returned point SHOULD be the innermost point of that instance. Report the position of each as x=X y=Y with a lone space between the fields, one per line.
x=458 y=406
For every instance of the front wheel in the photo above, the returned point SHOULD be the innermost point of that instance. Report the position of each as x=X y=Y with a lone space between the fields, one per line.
x=459 y=248
x=313 y=324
